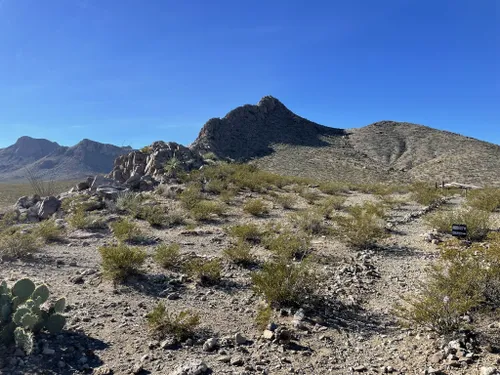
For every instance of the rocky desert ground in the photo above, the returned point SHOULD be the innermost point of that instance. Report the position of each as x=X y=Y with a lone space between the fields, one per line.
x=340 y=318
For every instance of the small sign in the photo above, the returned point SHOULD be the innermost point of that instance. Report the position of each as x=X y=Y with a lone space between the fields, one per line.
x=459 y=230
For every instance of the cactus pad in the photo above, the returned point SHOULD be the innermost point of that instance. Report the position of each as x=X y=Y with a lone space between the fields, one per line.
x=60 y=305
x=17 y=318
x=55 y=323
x=24 y=339
x=40 y=294
x=23 y=289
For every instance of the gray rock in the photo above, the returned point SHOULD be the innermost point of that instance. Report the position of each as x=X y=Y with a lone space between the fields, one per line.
x=210 y=345
x=109 y=191
x=237 y=361
x=82 y=186
x=239 y=339
x=48 y=207
x=48 y=351
x=268 y=335
x=487 y=370
x=196 y=367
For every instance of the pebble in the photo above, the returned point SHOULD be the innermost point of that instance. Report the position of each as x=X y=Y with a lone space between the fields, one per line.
x=210 y=345
x=48 y=351
x=240 y=339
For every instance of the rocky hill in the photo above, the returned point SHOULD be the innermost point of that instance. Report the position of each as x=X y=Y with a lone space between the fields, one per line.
x=51 y=161
x=276 y=139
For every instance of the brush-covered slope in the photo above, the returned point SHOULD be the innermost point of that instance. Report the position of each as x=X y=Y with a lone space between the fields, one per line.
x=48 y=160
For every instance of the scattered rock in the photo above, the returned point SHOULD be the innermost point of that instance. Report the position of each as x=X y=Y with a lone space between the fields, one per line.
x=239 y=339
x=487 y=371
x=196 y=367
x=210 y=345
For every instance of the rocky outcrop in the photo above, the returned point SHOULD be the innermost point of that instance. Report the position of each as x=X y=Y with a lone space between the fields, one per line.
x=34 y=208
x=138 y=168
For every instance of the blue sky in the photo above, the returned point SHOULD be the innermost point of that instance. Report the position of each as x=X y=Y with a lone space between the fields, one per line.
x=130 y=72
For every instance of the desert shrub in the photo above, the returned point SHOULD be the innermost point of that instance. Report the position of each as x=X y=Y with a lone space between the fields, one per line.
x=173 y=167
x=126 y=231
x=191 y=196
x=310 y=195
x=207 y=272
x=425 y=194
x=263 y=316
x=48 y=231
x=477 y=222
x=17 y=244
x=240 y=253
x=146 y=150
x=168 y=256
x=246 y=232
x=209 y=156
x=206 y=210
x=464 y=279
x=154 y=215
x=333 y=188
x=288 y=245
x=180 y=326
x=80 y=219
x=129 y=201
x=215 y=186
x=120 y=261
x=363 y=226
x=287 y=201
x=309 y=222
x=484 y=199
x=8 y=219
x=285 y=284
x=174 y=218
x=327 y=206
x=256 y=207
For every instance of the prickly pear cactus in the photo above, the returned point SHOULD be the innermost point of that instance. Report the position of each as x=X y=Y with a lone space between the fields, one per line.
x=22 y=314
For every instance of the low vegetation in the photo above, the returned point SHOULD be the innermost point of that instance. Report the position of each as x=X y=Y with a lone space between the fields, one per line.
x=181 y=326
x=207 y=210
x=425 y=194
x=328 y=206
x=18 y=244
x=484 y=199
x=126 y=231
x=240 y=254
x=246 y=232
x=477 y=222
x=287 y=201
x=48 y=231
x=256 y=207
x=121 y=261
x=288 y=245
x=310 y=222
x=206 y=272
x=168 y=256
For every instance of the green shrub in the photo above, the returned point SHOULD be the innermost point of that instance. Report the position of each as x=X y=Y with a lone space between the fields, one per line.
x=181 y=326
x=18 y=244
x=309 y=222
x=174 y=218
x=327 y=206
x=285 y=284
x=477 y=222
x=287 y=201
x=263 y=317
x=425 y=194
x=333 y=188
x=363 y=226
x=121 y=261
x=48 y=231
x=126 y=231
x=154 y=215
x=215 y=186
x=168 y=256
x=8 y=219
x=130 y=202
x=484 y=199
x=207 y=272
x=173 y=167
x=288 y=245
x=310 y=196
x=78 y=219
x=205 y=210
x=256 y=207
x=246 y=232
x=240 y=253
x=191 y=196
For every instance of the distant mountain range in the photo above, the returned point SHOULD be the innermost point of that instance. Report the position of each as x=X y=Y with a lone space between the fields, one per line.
x=274 y=138
x=49 y=160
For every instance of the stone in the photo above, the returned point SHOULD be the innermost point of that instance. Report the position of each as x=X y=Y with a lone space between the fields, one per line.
x=360 y=368
x=487 y=370
x=48 y=351
x=103 y=370
x=239 y=339
x=82 y=186
x=436 y=357
x=169 y=343
x=102 y=181
x=210 y=345
x=268 y=335
x=224 y=359
x=237 y=361
x=48 y=207
x=196 y=367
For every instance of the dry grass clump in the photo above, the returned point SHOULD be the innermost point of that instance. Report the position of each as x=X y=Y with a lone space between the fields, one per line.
x=310 y=222
x=48 y=231
x=129 y=201
x=80 y=219
x=8 y=219
x=425 y=194
x=465 y=279
x=168 y=256
x=121 y=261
x=363 y=225
x=246 y=232
x=287 y=201
x=484 y=199
x=240 y=254
x=285 y=284
x=180 y=326
x=126 y=231
x=288 y=245
x=17 y=244
x=477 y=222
x=256 y=207
x=207 y=272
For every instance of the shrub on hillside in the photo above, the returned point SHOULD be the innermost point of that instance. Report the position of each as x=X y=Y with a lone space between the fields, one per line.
x=207 y=272
x=285 y=284
x=333 y=188
x=287 y=201
x=327 y=206
x=425 y=194
x=48 y=231
x=256 y=207
x=130 y=202
x=310 y=222
x=246 y=232
x=477 y=222
x=180 y=326
x=168 y=256
x=121 y=261
x=310 y=195
x=206 y=210
x=126 y=231
x=80 y=219
x=288 y=245
x=240 y=254
x=17 y=244
x=487 y=199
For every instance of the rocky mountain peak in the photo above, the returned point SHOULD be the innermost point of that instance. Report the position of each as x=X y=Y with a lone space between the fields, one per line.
x=27 y=147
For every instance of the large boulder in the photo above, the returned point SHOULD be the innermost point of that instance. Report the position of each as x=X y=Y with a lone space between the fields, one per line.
x=48 y=206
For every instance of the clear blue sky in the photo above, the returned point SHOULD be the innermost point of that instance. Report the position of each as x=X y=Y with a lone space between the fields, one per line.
x=136 y=71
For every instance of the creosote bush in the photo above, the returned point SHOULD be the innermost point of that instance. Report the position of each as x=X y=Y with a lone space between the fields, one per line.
x=263 y=316
x=246 y=232
x=256 y=207
x=333 y=188
x=363 y=226
x=309 y=222
x=120 y=261
x=80 y=219
x=477 y=222
x=180 y=326
x=287 y=201
x=130 y=202
x=17 y=244
x=487 y=199
x=327 y=206
x=155 y=215
x=206 y=210
x=48 y=231
x=288 y=245
x=168 y=256
x=285 y=283
x=425 y=194
x=311 y=196
x=207 y=272
x=126 y=231
x=240 y=253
